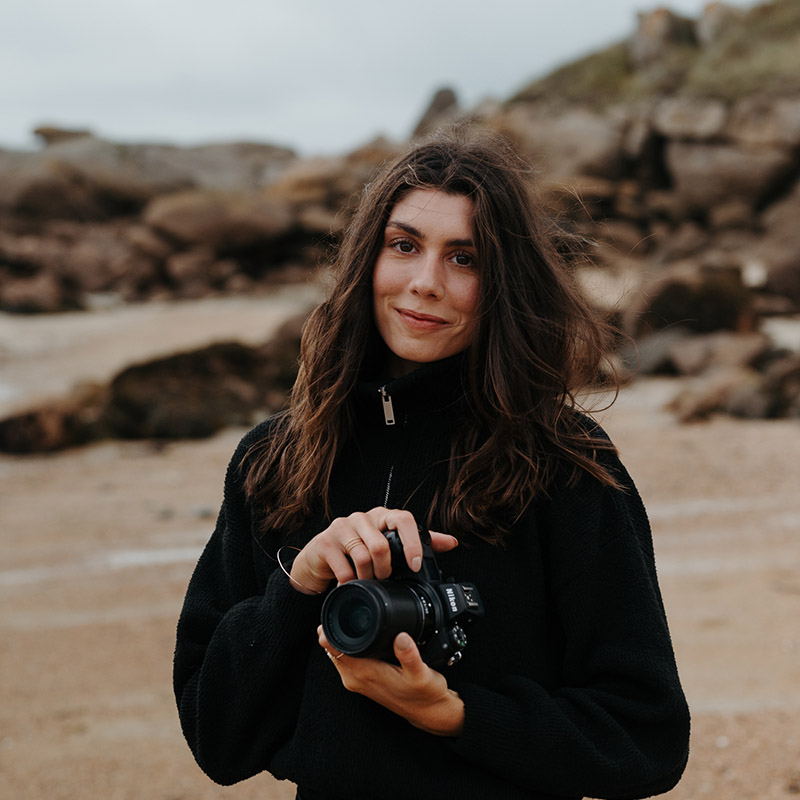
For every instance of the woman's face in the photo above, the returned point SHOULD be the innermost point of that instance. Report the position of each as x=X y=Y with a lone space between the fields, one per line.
x=425 y=283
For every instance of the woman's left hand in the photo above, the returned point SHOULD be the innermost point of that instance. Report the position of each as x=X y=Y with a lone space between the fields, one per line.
x=413 y=690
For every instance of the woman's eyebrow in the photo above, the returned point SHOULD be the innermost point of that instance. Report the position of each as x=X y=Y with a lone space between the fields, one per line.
x=412 y=231
x=404 y=226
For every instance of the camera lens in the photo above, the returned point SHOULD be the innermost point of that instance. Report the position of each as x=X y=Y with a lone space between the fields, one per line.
x=362 y=617
x=356 y=617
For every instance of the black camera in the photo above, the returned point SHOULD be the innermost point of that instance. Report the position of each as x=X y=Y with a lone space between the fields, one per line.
x=362 y=617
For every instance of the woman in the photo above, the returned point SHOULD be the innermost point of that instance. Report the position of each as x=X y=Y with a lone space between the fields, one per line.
x=437 y=387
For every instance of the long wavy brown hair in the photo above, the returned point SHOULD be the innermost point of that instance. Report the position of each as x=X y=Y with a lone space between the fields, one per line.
x=537 y=345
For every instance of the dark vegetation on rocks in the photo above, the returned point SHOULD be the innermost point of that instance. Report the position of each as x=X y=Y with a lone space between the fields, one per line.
x=674 y=157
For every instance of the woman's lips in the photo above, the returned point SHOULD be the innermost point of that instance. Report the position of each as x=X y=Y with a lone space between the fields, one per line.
x=414 y=319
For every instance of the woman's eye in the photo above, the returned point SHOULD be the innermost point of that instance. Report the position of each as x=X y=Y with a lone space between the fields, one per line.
x=403 y=245
x=464 y=260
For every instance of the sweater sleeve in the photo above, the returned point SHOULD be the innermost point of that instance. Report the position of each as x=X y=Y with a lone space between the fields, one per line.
x=235 y=676
x=617 y=726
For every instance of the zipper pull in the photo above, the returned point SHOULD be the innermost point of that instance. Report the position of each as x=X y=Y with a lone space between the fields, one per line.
x=388 y=409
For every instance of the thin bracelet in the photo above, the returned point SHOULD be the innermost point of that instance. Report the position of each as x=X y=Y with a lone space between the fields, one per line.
x=283 y=569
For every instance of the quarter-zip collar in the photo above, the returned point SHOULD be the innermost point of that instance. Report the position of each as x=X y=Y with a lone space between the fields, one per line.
x=430 y=389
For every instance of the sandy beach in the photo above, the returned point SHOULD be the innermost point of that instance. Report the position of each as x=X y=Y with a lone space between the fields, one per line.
x=97 y=545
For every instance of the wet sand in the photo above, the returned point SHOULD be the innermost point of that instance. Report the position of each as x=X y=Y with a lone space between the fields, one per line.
x=97 y=545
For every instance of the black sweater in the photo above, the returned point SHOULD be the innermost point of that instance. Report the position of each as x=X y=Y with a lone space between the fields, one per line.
x=569 y=681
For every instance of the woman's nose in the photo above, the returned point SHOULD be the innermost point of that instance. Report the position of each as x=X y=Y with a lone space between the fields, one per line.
x=427 y=278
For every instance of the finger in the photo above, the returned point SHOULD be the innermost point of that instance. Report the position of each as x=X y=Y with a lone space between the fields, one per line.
x=407 y=653
x=344 y=551
x=356 y=552
x=323 y=639
x=340 y=548
x=323 y=559
x=341 y=567
x=333 y=654
x=404 y=523
x=370 y=554
x=310 y=570
x=442 y=542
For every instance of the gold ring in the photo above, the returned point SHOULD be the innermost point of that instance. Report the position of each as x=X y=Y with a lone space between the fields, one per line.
x=349 y=545
x=332 y=657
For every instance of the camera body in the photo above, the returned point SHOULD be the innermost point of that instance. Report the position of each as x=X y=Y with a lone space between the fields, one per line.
x=362 y=617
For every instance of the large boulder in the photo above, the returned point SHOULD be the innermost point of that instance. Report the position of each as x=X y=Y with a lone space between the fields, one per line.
x=85 y=178
x=743 y=392
x=198 y=272
x=652 y=353
x=776 y=394
x=27 y=254
x=693 y=355
x=68 y=422
x=232 y=166
x=691 y=297
x=80 y=178
x=766 y=122
x=657 y=33
x=779 y=249
x=325 y=188
x=443 y=109
x=34 y=294
x=197 y=393
x=567 y=141
x=217 y=219
x=715 y=19
x=709 y=174
x=101 y=259
x=187 y=395
x=711 y=392
x=31 y=275
x=67 y=263
x=689 y=118
x=54 y=134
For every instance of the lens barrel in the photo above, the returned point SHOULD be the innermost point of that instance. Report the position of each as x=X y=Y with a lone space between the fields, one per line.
x=362 y=617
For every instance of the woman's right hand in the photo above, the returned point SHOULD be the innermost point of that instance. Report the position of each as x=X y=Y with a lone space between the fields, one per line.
x=361 y=537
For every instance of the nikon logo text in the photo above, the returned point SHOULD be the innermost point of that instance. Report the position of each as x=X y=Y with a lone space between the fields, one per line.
x=451 y=597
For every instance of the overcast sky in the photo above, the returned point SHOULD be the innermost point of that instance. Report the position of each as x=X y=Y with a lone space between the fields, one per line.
x=316 y=75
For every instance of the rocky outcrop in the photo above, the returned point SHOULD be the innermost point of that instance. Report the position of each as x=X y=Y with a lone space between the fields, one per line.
x=71 y=262
x=442 y=110
x=567 y=142
x=773 y=392
x=706 y=175
x=687 y=162
x=638 y=137
x=695 y=299
x=779 y=248
x=81 y=177
x=185 y=395
x=658 y=33
x=86 y=217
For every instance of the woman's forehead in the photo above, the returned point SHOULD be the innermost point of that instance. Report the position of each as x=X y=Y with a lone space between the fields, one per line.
x=433 y=207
